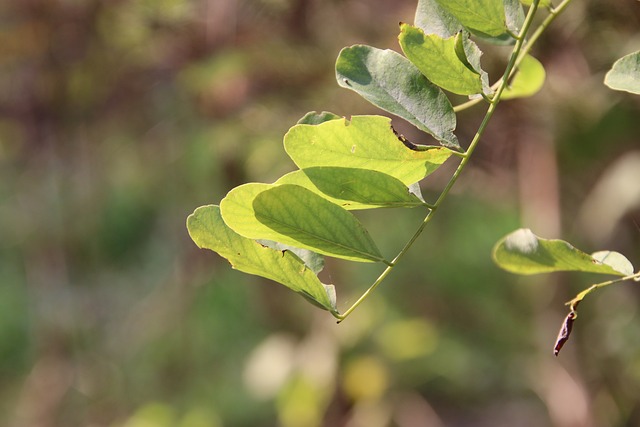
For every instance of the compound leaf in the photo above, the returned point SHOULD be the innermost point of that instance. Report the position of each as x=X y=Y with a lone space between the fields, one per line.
x=208 y=231
x=295 y=216
x=391 y=82
x=365 y=142
x=523 y=252
x=625 y=74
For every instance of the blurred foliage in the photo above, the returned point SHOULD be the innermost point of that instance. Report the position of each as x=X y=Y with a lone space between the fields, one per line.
x=118 y=118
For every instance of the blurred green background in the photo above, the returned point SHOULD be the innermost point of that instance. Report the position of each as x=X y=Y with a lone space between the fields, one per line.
x=118 y=118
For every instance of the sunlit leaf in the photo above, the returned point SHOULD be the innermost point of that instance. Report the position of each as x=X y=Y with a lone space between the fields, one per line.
x=527 y=81
x=523 y=252
x=625 y=74
x=438 y=60
x=295 y=216
x=365 y=142
x=354 y=188
x=391 y=82
x=479 y=16
x=615 y=260
x=208 y=231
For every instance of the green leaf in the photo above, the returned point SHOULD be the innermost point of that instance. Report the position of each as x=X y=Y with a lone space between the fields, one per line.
x=485 y=17
x=527 y=81
x=391 y=82
x=295 y=216
x=523 y=252
x=625 y=74
x=208 y=231
x=354 y=188
x=365 y=142
x=315 y=118
x=514 y=18
x=438 y=60
x=434 y=19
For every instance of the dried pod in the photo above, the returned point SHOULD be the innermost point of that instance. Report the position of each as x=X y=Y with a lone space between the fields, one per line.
x=565 y=332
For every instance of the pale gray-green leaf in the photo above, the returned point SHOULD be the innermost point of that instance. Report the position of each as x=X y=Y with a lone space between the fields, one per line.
x=625 y=74
x=434 y=19
x=391 y=82
x=472 y=55
x=514 y=16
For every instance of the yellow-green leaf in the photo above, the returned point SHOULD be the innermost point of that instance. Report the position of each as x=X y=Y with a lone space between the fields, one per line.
x=439 y=61
x=208 y=231
x=523 y=252
x=365 y=142
x=295 y=216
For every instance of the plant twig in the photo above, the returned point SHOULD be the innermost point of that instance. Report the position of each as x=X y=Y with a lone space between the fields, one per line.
x=573 y=304
x=465 y=159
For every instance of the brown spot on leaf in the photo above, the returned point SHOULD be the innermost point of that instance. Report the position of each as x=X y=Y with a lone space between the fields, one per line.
x=410 y=145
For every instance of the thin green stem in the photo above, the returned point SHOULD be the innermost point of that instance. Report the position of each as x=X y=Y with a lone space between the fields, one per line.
x=465 y=159
x=467 y=104
x=553 y=14
x=573 y=304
